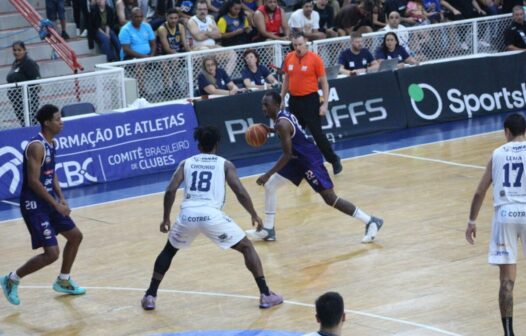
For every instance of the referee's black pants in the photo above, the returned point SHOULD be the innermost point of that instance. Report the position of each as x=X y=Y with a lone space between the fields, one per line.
x=307 y=111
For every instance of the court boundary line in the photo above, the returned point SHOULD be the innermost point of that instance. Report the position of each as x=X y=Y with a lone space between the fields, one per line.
x=249 y=297
x=422 y=158
x=253 y=175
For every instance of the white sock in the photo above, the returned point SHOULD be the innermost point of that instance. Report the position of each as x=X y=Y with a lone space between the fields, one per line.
x=268 y=222
x=14 y=277
x=359 y=214
x=63 y=276
x=271 y=200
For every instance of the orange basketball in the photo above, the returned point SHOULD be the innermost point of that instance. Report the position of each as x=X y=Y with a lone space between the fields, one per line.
x=256 y=135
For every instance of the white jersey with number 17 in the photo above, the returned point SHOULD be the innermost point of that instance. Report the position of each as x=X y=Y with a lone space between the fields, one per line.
x=204 y=176
x=509 y=180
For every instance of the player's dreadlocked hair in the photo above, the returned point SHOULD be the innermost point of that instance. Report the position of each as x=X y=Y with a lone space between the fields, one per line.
x=207 y=137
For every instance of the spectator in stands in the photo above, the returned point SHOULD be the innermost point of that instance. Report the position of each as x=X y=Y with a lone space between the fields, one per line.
x=434 y=10
x=171 y=36
x=271 y=23
x=326 y=13
x=55 y=8
x=123 y=9
x=393 y=23
x=186 y=9
x=307 y=21
x=214 y=80
x=489 y=7
x=137 y=37
x=233 y=24
x=203 y=29
x=415 y=9
x=378 y=14
x=515 y=35
x=354 y=18
x=250 y=7
x=214 y=6
x=157 y=12
x=399 y=6
x=356 y=60
x=255 y=75
x=23 y=69
x=391 y=48
x=102 y=21
x=507 y=5
x=81 y=16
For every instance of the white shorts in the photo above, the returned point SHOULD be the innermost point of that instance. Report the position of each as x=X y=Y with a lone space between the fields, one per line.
x=509 y=224
x=213 y=223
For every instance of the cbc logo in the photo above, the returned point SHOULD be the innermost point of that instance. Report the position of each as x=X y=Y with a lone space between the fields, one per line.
x=417 y=93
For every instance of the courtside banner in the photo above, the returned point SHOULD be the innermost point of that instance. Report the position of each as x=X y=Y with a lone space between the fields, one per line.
x=106 y=147
x=464 y=89
x=357 y=105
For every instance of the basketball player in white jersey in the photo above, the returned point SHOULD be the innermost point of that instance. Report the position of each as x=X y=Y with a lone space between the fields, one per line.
x=506 y=170
x=201 y=211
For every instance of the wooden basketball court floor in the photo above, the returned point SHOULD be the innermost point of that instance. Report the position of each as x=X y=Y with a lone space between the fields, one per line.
x=419 y=278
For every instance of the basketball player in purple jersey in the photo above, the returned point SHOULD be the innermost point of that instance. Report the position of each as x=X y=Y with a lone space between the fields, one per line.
x=45 y=210
x=301 y=159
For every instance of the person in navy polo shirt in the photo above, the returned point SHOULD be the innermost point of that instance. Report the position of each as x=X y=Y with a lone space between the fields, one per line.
x=356 y=60
x=391 y=48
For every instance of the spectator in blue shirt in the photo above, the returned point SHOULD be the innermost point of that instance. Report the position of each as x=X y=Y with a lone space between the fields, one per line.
x=137 y=37
x=391 y=48
x=214 y=80
x=356 y=60
x=255 y=75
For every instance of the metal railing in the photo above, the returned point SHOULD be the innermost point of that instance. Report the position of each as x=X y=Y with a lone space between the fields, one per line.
x=172 y=77
x=19 y=102
x=431 y=42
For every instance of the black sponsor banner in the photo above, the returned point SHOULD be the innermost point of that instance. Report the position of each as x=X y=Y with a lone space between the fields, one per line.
x=463 y=89
x=357 y=105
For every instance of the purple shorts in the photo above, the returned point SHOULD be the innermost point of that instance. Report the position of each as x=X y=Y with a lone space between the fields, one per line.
x=314 y=172
x=45 y=225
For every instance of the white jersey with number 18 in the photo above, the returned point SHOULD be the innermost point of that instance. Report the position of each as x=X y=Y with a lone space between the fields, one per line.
x=509 y=181
x=204 y=176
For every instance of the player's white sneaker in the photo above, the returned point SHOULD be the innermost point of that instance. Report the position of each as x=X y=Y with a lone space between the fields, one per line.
x=264 y=234
x=371 y=229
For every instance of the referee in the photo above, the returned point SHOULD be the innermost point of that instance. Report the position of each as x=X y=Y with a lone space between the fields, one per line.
x=303 y=70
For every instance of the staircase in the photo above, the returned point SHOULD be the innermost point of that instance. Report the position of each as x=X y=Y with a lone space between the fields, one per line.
x=14 y=27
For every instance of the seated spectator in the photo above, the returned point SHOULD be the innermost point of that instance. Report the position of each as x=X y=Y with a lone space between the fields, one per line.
x=356 y=60
x=203 y=29
x=415 y=9
x=399 y=6
x=434 y=10
x=307 y=21
x=391 y=48
x=137 y=37
x=123 y=9
x=393 y=24
x=186 y=9
x=158 y=10
x=102 y=21
x=250 y=7
x=255 y=75
x=233 y=24
x=271 y=23
x=215 y=81
x=214 y=6
x=515 y=35
x=326 y=13
x=378 y=14
x=171 y=35
x=354 y=18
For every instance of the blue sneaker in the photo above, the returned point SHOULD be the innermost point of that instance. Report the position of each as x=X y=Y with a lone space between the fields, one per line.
x=10 y=289
x=68 y=287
